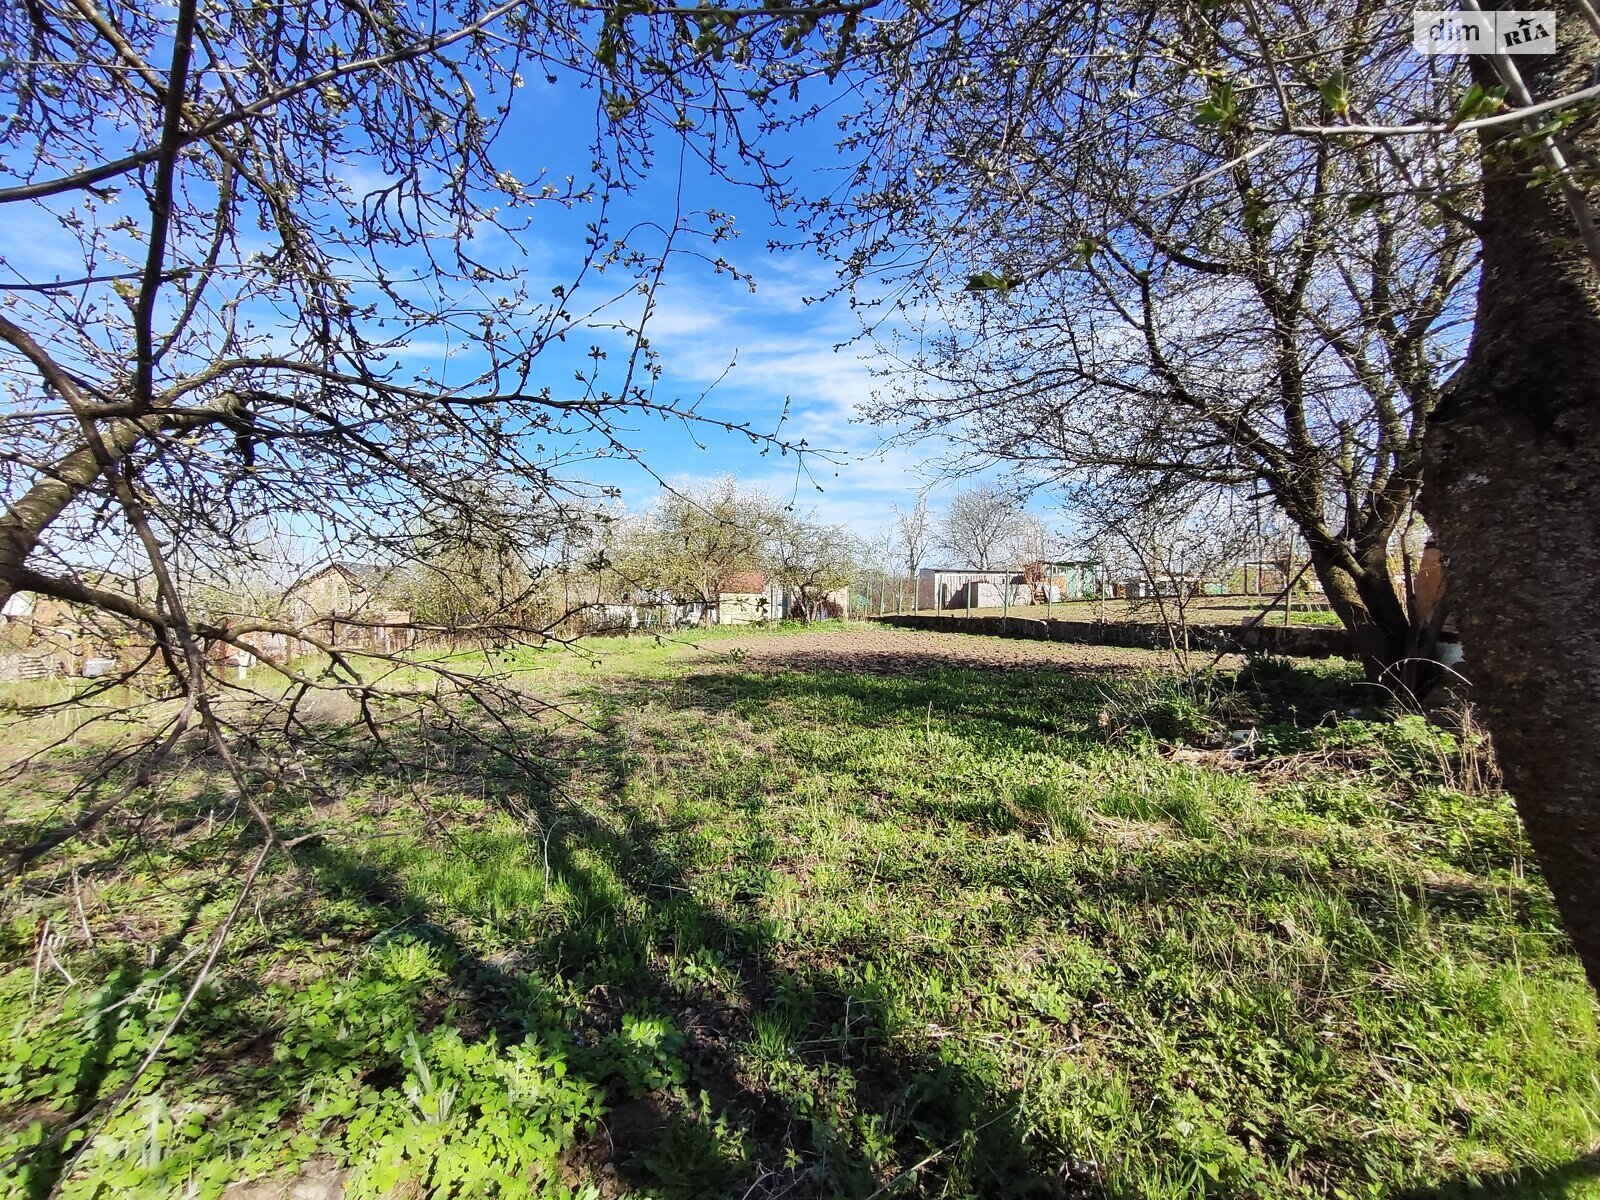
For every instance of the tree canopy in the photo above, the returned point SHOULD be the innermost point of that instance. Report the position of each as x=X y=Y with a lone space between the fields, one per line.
x=1123 y=289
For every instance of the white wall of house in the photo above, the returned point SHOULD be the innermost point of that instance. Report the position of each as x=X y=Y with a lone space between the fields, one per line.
x=742 y=608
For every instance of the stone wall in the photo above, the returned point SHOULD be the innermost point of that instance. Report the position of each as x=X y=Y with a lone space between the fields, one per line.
x=1291 y=640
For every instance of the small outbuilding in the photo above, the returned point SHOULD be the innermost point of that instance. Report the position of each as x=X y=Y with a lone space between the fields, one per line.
x=1038 y=583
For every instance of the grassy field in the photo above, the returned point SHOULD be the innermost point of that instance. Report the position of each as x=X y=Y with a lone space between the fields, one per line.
x=743 y=926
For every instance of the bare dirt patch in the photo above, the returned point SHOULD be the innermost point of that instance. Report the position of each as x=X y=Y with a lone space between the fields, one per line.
x=881 y=651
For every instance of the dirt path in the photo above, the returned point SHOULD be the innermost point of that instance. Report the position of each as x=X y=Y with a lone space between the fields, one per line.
x=883 y=651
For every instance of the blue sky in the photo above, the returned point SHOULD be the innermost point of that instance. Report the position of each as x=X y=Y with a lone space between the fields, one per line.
x=782 y=350
x=751 y=352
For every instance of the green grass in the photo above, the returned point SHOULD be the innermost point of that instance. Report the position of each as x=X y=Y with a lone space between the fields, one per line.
x=943 y=934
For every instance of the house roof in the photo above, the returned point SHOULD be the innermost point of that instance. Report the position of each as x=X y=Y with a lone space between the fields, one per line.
x=368 y=574
x=364 y=575
x=745 y=583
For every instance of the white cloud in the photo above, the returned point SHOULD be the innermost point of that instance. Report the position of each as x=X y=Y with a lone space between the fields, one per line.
x=785 y=352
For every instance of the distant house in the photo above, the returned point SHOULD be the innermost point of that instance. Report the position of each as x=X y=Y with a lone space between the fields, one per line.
x=41 y=636
x=1072 y=579
x=337 y=589
x=970 y=587
x=1171 y=583
x=746 y=598
x=36 y=638
x=752 y=596
x=821 y=606
x=961 y=587
x=611 y=618
x=345 y=604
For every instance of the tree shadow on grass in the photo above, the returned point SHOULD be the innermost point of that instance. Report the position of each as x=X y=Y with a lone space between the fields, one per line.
x=620 y=945
x=1550 y=1183
x=644 y=944
x=1041 y=701
x=617 y=957
x=1061 y=706
x=1216 y=876
x=726 y=1063
x=92 y=1069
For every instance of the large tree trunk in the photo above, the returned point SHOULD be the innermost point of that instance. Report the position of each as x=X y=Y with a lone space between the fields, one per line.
x=1396 y=653
x=1512 y=489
